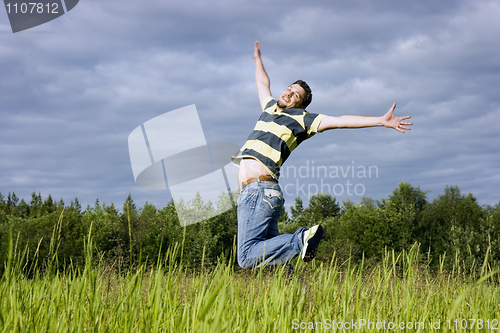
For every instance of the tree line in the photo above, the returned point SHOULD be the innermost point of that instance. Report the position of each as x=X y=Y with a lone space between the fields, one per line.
x=451 y=227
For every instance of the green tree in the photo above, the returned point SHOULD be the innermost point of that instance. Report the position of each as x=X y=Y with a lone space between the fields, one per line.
x=297 y=210
x=23 y=209
x=148 y=236
x=492 y=230
x=284 y=217
x=48 y=205
x=106 y=229
x=170 y=231
x=129 y=225
x=36 y=205
x=402 y=212
x=323 y=206
x=12 y=201
x=76 y=204
x=451 y=223
x=362 y=229
x=3 y=205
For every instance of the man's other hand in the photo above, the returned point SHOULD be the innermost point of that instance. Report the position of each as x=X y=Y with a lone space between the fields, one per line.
x=391 y=121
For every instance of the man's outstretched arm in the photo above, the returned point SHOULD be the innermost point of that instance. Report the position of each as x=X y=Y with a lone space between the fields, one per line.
x=387 y=120
x=261 y=78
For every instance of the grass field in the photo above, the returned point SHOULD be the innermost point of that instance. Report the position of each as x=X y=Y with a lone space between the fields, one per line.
x=398 y=293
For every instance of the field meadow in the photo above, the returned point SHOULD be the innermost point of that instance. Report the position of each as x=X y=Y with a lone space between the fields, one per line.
x=398 y=293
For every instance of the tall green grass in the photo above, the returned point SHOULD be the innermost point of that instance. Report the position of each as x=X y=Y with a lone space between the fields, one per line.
x=399 y=289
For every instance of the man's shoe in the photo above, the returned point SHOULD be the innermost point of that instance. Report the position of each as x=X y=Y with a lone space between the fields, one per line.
x=312 y=238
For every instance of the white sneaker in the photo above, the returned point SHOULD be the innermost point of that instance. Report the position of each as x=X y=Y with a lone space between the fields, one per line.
x=311 y=239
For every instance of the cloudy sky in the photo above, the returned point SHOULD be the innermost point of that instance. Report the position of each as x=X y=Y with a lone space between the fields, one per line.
x=73 y=89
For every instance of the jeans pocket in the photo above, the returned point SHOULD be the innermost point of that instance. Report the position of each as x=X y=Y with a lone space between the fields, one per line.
x=272 y=202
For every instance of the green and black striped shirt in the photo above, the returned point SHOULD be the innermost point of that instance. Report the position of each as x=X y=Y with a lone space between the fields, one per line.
x=277 y=134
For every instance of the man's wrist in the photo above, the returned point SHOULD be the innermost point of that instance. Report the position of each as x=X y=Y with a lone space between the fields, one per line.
x=380 y=122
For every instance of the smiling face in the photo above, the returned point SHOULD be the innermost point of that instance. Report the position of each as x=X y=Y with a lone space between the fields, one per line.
x=292 y=97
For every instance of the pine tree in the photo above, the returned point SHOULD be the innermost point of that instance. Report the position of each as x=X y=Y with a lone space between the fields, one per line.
x=75 y=204
x=297 y=210
x=36 y=205
x=48 y=206
x=3 y=204
x=12 y=201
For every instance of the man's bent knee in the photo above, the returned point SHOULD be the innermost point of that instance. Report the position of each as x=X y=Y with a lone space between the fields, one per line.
x=243 y=262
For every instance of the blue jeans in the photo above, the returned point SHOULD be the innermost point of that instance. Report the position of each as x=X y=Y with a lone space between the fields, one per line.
x=259 y=243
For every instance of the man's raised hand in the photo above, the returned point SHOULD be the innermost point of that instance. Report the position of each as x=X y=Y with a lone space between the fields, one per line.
x=391 y=121
x=261 y=78
x=256 y=52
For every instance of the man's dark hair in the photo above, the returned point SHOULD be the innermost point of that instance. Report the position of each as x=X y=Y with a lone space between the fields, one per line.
x=308 y=97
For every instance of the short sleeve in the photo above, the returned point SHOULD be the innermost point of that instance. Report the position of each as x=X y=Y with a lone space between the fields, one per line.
x=268 y=103
x=314 y=119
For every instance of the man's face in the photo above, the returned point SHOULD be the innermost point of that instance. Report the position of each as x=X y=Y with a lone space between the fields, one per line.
x=292 y=97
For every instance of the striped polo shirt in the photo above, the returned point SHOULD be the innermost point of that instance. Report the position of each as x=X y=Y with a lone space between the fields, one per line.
x=276 y=135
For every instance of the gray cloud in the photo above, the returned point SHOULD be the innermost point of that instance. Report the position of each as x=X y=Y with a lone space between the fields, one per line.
x=69 y=98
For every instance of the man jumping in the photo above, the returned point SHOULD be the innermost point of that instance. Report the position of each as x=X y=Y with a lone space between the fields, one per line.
x=282 y=126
